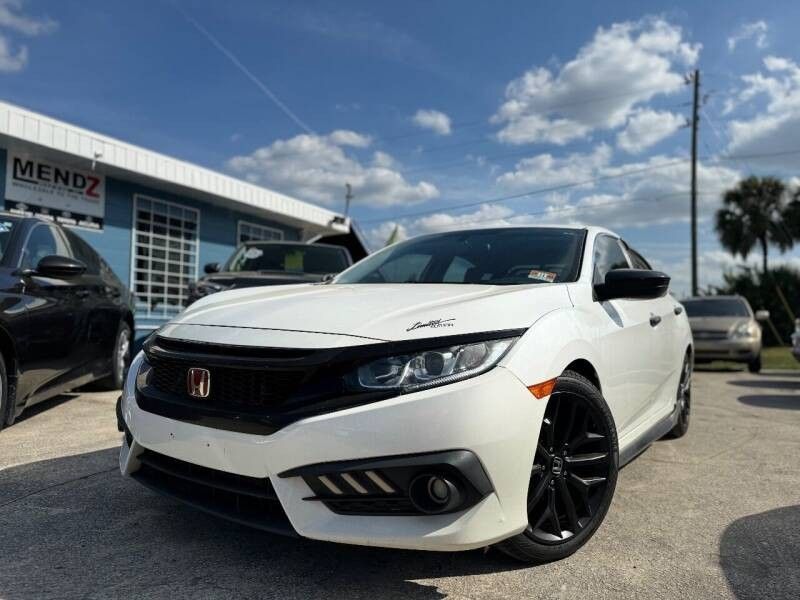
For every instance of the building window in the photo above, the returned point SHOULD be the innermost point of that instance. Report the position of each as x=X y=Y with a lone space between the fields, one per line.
x=164 y=256
x=251 y=232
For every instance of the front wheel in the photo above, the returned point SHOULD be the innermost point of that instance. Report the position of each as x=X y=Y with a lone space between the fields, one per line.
x=573 y=475
x=683 y=400
x=754 y=366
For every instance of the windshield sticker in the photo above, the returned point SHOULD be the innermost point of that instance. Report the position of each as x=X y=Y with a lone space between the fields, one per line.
x=547 y=276
x=433 y=324
x=253 y=253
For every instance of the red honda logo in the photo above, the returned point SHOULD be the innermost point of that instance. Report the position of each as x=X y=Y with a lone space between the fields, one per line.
x=198 y=382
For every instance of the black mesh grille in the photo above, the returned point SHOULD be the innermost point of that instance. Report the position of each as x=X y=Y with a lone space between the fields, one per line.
x=248 y=500
x=229 y=386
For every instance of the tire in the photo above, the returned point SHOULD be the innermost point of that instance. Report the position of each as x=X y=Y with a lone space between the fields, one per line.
x=585 y=480
x=5 y=399
x=684 y=400
x=120 y=360
x=754 y=366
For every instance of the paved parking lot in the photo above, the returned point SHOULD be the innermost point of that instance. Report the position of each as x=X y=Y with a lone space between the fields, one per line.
x=713 y=515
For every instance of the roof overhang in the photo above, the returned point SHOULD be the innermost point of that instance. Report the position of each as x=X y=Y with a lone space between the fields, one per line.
x=26 y=132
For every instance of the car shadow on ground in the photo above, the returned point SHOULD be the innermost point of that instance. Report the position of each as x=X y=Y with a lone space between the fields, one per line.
x=771 y=401
x=44 y=406
x=760 y=554
x=73 y=527
x=772 y=384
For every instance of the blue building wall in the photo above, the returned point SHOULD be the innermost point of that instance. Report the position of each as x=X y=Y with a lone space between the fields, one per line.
x=217 y=232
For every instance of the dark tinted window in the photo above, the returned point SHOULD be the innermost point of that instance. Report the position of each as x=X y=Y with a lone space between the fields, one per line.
x=6 y=228
x=637 y=260
x=511 y=256
x=608 y=256
x=83 y=252
x=716 y=307
x=290 y=258
x=43 y=240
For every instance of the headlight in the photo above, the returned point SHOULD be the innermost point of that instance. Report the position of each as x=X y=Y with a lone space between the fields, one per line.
x=413 y=371
x=748 y=329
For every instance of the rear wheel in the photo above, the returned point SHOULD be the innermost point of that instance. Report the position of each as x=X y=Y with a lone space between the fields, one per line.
x=120 y=360
x=754 y=366
x=573 y=475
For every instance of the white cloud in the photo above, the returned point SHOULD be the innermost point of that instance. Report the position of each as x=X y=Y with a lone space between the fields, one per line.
x=757 y=31
x=646 y=128
x=546 y=170
x=316 y=168
x=620 y=68
x=776 y=127
x=12 y=61
x=11 y=19
x=434 y=120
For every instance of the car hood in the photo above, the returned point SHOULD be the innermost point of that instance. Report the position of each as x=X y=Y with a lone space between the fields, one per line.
x=719 y=324
x=367 y=313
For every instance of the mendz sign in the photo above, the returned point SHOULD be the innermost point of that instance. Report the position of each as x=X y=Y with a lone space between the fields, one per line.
x=67 y=195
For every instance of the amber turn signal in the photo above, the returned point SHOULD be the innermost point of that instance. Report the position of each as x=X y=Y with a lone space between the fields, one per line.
x=540 y=390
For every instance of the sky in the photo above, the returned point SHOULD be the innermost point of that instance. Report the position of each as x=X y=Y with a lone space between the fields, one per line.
x=439 y=114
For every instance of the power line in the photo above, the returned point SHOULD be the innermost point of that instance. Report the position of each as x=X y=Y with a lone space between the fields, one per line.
x=574 y=184
x=536 y=192
x=244 y=70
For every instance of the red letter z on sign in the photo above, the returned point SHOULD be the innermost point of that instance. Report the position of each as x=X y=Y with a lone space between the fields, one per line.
x=91 y=190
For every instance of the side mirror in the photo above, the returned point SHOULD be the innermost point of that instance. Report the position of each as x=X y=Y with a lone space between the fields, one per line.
x=211 y=267
x=632 y=283
x=762 y=315
x=60 y=267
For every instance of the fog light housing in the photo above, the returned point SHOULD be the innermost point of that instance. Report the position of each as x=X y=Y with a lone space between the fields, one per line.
x=431 y=493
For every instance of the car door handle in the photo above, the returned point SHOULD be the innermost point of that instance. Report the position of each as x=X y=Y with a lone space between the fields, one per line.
x=654 y=320
x=677 y=310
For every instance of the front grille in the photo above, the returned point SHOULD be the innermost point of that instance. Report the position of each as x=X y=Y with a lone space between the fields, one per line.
x=229 y=386
x=250 y=501
x=704 y=334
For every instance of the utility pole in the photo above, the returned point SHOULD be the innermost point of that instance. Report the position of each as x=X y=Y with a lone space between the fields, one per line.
x=348 y=196
x=695 y=117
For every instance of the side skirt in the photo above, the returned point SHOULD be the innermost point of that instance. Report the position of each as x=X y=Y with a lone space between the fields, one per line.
x=643 y=442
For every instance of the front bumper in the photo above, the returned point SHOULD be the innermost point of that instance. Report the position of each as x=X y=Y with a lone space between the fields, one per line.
x=493 y=417
x=743 y=350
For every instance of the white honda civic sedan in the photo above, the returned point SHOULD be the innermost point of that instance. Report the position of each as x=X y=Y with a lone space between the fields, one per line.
x=449 y=392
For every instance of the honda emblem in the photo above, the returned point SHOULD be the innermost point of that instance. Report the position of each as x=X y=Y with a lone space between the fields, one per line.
x=198 y=382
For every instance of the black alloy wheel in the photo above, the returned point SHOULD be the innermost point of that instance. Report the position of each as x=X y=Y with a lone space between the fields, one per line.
x=573 y=476
x=683 y=402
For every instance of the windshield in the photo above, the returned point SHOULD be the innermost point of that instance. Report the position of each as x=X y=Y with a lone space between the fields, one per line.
x=6 y=228
x=723 y=307
x=290 y=258
x=512 y=256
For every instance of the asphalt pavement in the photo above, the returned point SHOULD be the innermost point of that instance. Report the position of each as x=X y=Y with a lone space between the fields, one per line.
x=713 y=515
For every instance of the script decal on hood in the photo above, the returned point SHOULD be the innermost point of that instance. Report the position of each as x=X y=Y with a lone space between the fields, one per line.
x=433 y=324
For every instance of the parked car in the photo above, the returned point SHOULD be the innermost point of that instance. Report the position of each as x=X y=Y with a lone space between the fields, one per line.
x=796 y=340
x=726 y=328
x=446 y=393
x=65 y=319
x=271 y=263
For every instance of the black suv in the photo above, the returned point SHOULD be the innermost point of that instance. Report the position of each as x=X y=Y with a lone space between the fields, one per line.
x=65 y=319
x=258 y=263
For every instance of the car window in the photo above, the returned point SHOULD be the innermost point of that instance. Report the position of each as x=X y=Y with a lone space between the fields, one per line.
x=507 y=256
x=608 y=256
x=637 y=260
x=717 y=307
x=43 y=240
x=290 y=258
x=83 y=252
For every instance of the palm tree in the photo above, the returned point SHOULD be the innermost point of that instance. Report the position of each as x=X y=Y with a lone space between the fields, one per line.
x=757 y=212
